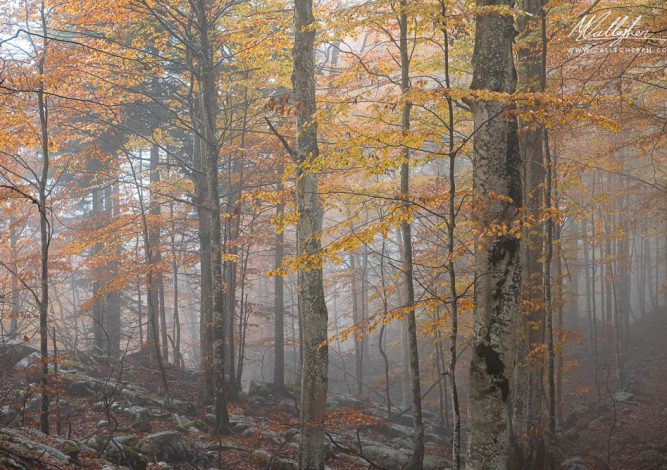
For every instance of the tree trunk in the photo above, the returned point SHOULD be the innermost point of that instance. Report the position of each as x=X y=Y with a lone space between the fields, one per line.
x=527 y=441
x=278 y=300
x=417 y=458
x=312 y=304
x=156 y=249
x=205 y=283
x=44 y=230
x=15 y=297
x=356 y=319
x=451 y=268
x=112 y=315
x=497 y=189
x=178 y=359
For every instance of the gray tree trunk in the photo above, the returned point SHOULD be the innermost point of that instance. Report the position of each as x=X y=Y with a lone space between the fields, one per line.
x=44 y=230
x=417 y=458
x=155 y=242
x=527 y=440
x=497 y=192
x=278 y=301
x=205 y=283
x=312 y=304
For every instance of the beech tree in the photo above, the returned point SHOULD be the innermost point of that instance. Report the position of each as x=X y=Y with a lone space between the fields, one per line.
x=497 y=192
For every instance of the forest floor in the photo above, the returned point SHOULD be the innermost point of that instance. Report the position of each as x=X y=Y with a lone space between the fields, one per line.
x=623 y=429
x=108 y=421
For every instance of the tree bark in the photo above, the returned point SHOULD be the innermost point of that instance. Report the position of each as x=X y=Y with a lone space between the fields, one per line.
x=497 y=189
x=312 y=304
x=527 y=440
x=44 y=230
x=417 y=457
x=278 y=299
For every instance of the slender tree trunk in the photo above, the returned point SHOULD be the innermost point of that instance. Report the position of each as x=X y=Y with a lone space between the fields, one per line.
x=44 y=229
x=496 y=172
x=15 y=297
x=206 y=282
x=99 y=333
x=278 y=300
x=112 y=316
x=156 y=249
x=312 y=304
x=178 y=359
x=385 y=311
x=417 y=458
x=451 y=268
x=356 y=319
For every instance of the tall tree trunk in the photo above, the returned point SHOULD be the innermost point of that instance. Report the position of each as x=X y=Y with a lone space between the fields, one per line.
x=385 y=311
x=417 y=458
x=206 y=282
x=548 y=310
x=356 y=319
x=312 y=304
x=156 y=249
x=451 y=268
x=527 y=441
x=15 y=297
x=278 y=299
x=44 y=229
x=178 y=359
x=497 y=190
x=112 y=316
x=99 y=332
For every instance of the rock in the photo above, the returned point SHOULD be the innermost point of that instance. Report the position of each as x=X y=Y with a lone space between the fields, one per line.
x=241 y=424
x=386 y=456
x=571 y=434
x=183 y=407
x=649 y=455
x=71 y=449
x=401 y=443
x=27 y=441
x=125 y=455
x=167 y=445
x=344 y=401
x=209 y=418
x=431 y=462
x=7 y=416
x=125 y=439
x=574 y=463
x=259 y=389
x=576 y=412
x=103 y=424
x=288 y=406
x=184 y=424
x=136 y=413
x=29 y=366
x=273 y=462
x=13 y=352
x=624 y=397
x=396 y=430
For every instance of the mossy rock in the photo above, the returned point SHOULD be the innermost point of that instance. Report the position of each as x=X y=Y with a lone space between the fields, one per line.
x=134 y=459
x=71 y=449
x=199 y=424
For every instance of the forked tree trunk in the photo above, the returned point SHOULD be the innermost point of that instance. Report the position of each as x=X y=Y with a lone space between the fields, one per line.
x=497 y=189
x=312 y=304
